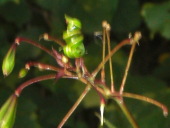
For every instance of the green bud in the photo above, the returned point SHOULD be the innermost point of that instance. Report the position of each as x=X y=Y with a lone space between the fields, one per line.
x=72 y=22
x=9 y=61
x=23 y=72
x=8 y=112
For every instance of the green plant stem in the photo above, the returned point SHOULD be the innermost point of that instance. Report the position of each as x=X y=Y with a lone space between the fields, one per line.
x=127 y=113
x=115 y=49
x=127 y=68
x=103 y=55
x=87 y=89
x=110 y=59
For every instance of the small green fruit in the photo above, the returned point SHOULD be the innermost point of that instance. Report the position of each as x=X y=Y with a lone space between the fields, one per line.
x=8 y=112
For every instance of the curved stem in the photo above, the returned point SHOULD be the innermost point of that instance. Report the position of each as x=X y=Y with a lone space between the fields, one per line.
x=146 y=99
x=18 y=40
x=46 y=36
x=115 y=49
x=32 y=81
x=87 y=89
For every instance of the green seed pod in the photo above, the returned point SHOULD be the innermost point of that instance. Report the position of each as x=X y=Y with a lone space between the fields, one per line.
x=22 y=73
x=9 y=61
x=74 y=39
x=8 y=112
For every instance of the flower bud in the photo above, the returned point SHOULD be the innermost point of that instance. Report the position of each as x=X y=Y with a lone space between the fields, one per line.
x=8 y=112
x=9 y=61
x=22 y=73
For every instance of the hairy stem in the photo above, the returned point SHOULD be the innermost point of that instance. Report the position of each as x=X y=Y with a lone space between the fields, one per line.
x=87 y=89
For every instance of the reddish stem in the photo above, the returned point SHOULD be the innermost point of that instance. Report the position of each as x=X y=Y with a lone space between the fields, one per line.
x=56 y=40
x=32 y=81
x=18 y=40
x=146 y=99
x=42 y=66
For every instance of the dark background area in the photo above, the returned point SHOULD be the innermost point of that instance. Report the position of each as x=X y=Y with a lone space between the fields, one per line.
x=43 y=105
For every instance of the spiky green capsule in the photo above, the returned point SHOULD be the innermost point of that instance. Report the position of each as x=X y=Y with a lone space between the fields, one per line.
x=9 y=61
x=8 y=112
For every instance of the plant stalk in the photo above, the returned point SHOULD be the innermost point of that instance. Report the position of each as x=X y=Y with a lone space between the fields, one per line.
x=32 y=81
x=115 y=49
x=46 y=36
x=127 y=68
x=149 y=100
x=18 y=40
x=87 y=89
x=127 y=113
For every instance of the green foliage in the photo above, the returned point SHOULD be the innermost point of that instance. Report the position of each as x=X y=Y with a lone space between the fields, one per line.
x=157 y=17
x=18 y=14
x=45 y=106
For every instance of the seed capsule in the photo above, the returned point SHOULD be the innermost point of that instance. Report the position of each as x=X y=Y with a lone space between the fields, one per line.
x=9 y=61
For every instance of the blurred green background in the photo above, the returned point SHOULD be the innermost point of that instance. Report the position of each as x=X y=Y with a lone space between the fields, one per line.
x=43 y=105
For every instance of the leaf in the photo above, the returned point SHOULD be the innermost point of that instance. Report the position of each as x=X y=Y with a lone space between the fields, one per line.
x=157 y=17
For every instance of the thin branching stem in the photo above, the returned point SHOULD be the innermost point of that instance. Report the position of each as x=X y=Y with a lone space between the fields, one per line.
x=32 y=81
x=146 y=99
x=127 y=113
x=133 y=41
x=84 y=93
x=103 y=52
x=18 y=40
x=127 y=68
x=110 y=59
x=115 y=49
x=46 y=36
x=42 y=66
